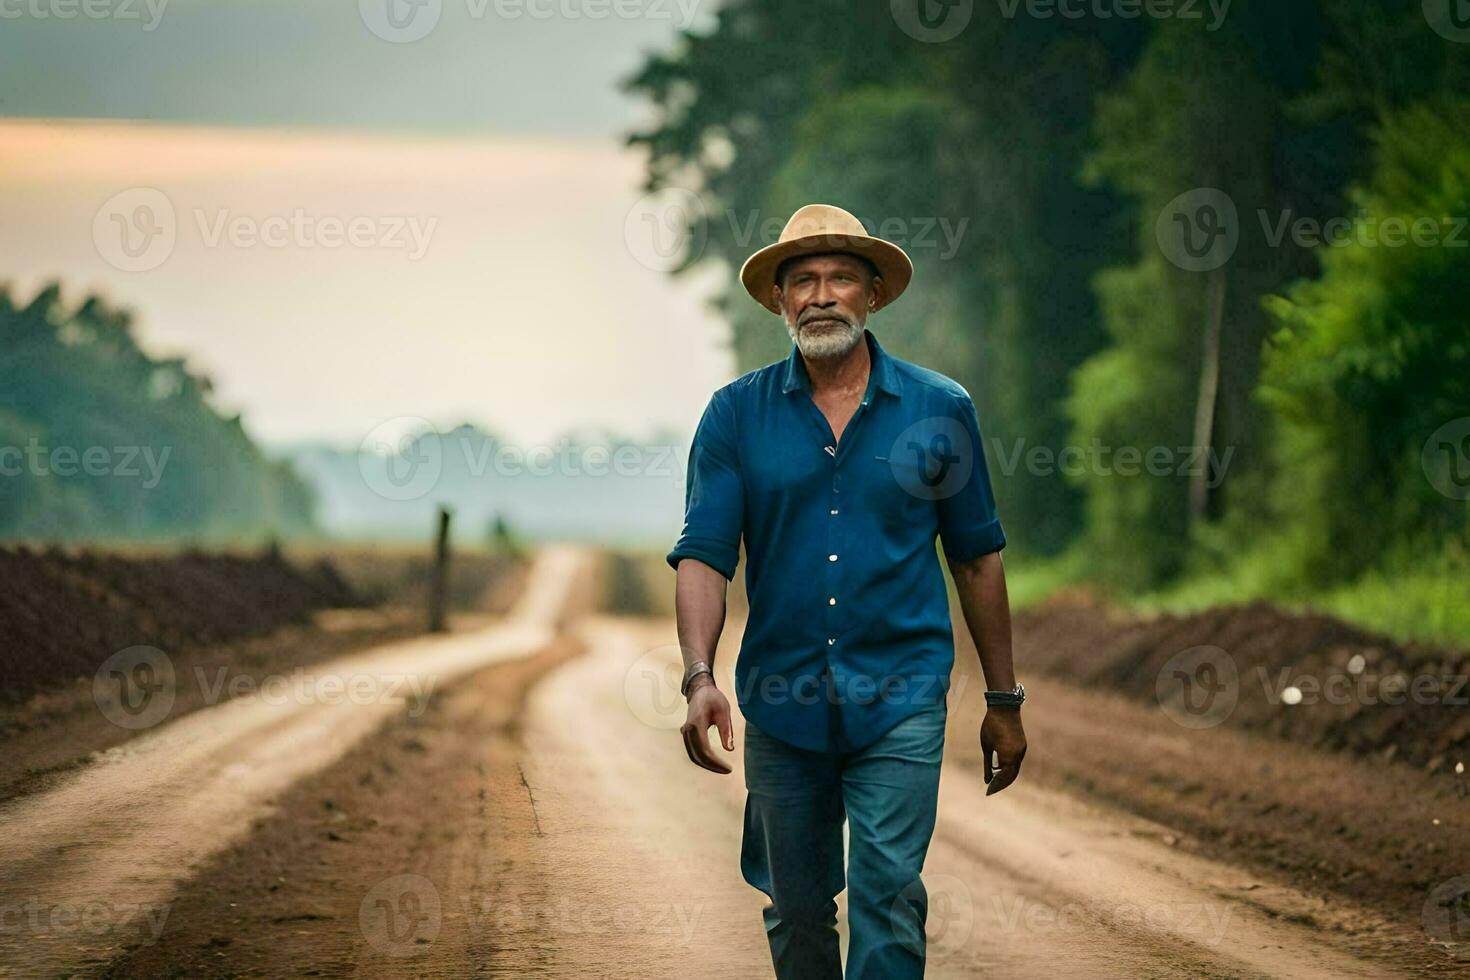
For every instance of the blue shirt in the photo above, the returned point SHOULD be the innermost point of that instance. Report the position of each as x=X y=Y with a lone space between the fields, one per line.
x=849 y=629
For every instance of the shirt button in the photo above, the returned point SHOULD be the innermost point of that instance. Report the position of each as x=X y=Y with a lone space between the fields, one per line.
x=831 y=557
x=834 y=512
x=830 y=641
x=832 y=600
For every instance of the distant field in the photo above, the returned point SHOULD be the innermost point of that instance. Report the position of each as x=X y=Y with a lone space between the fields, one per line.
x=399 y=573
x=641 y=583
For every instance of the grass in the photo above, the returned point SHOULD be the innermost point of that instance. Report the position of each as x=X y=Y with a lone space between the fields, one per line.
x=1030 y=581
x=1427 y=603
x=1413 y=597
x=1422 y=606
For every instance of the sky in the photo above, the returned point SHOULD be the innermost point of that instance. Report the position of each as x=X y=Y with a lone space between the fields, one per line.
x=350 y=215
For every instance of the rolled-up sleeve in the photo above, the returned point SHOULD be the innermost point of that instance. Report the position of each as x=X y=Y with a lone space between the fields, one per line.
x=714 y=494
x=968 y=523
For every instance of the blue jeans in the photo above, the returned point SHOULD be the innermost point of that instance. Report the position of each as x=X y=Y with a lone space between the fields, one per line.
x=792 y=848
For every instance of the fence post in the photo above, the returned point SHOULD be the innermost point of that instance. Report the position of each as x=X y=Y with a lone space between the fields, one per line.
x=439 y=588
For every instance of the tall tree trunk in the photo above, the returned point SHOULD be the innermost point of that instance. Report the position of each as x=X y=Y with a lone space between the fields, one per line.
x=1209 y=388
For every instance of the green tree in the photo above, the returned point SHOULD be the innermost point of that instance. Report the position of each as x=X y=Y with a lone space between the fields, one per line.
x=785 y=104
x=1374 y=357
x=76 y=381
x=1201 y=112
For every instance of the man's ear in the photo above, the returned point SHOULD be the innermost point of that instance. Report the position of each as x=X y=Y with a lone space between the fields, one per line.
x=776 y=298
x=880 y=293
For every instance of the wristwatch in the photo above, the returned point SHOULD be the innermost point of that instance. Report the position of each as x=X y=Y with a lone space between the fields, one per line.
x=691 y=672
x=1006 y=699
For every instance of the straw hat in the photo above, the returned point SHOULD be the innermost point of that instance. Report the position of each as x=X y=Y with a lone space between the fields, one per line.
x=819 y=228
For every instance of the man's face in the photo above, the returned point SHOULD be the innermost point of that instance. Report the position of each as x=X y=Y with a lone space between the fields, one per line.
x=825 y=300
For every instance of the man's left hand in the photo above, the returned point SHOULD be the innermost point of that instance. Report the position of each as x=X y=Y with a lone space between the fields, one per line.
x=1001 y=734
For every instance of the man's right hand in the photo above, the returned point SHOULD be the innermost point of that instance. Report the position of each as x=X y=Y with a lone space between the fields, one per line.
x=707 y=707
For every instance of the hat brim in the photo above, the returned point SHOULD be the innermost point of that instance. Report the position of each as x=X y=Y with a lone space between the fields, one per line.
x=758 y=274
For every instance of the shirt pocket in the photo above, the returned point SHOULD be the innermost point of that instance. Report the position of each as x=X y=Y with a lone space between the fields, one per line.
x=899 y=495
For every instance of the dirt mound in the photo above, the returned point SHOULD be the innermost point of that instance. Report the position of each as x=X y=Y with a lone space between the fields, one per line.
x=1308 y=678
x=62 y=614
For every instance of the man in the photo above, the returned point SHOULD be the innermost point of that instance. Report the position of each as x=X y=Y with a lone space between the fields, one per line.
x=839 y=467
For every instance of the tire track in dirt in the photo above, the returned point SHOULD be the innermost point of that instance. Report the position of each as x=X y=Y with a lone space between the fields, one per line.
x=87 y=864
x=642 y=850
x=548 y=825
x=1030 y=884
x=409 y=857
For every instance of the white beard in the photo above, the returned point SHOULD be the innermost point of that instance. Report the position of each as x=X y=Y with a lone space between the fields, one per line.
x=826 y=341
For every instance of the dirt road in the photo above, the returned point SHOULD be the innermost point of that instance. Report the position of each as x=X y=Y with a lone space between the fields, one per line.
x=1028 y=884
x=538 y=818
x=94 y=860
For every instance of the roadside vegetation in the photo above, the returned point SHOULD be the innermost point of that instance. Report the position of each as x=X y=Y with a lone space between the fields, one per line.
x=1241 y=244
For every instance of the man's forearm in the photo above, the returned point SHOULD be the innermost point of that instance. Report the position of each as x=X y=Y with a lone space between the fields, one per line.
x=981 y=585
x=699 y=608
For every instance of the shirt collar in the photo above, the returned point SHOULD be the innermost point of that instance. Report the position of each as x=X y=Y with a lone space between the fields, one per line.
x=882 y=373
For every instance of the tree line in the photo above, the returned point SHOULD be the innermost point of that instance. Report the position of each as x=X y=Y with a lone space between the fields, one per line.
x=100 y=440
x=1234 y=246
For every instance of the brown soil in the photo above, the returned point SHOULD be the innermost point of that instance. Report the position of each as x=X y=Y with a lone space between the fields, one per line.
x=244 y=618
x=62 y=727
x=63 y=614
x=490 y=852
x=449 y=844
x=440 y=797
x=1360 y=693
x=400 y=575
x=171 y=802
x=1257 y=790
